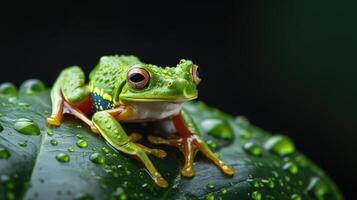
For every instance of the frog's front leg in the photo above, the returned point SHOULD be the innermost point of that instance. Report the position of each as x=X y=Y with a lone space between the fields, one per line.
x=190 y=143
x=113 y=133
x=68 y=93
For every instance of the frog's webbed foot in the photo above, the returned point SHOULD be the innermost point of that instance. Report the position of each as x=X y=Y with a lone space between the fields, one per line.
x=189 y=146
x=114 y=134
x=134 y=137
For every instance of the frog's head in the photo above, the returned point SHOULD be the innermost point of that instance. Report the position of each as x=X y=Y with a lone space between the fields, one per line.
x=149 y=83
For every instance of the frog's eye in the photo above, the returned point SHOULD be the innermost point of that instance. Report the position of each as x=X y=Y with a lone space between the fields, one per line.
x=138 y=78
x=196 y=74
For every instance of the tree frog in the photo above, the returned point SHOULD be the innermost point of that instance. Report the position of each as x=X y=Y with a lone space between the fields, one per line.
x=124 y=89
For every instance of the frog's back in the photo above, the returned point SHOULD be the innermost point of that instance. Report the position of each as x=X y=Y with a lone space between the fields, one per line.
x=106 y=78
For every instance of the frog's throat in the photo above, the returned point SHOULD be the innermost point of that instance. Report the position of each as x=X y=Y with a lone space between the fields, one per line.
x=153 y=109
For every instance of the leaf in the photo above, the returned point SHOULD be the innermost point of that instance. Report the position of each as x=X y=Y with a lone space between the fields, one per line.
x=36 y=166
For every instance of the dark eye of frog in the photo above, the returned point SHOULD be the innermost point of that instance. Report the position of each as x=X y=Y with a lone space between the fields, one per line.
x=196 y=74
x=137 y=77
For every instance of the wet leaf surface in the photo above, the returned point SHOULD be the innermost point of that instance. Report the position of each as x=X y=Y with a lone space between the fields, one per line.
x=70 y=162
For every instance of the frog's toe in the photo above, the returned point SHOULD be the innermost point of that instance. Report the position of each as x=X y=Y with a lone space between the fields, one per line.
x=188 y=171
x=160 y=181
x=54 y=120
x=94 y=129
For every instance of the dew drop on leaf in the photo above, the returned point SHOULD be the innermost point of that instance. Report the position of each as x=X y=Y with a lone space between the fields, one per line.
x=280 y=145
x=32 y=86
x=245 y=134
x=62 y=157
x=70 y=149
x=82 y=143
x=23 y=144
x=317 y=188
x=256 y=195
x=209 y=197
x=4 y=153
x=27 y=127
x=217 y=128
x=8 y=89
x=210 y=185
x=252 y=149
x=97 y=158
x=49 y=132
x=54 y=142
x=291 y=167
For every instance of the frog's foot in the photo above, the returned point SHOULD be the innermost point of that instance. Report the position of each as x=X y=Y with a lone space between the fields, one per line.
x=54 y=120
x=189 y=146
x=134 y=137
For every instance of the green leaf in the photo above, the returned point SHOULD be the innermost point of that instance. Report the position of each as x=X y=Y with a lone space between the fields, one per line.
x=55 y=163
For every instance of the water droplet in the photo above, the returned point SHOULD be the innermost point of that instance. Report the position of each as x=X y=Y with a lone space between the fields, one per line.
x=252 y=149
x=27 y=127
x=224 y=191
x=54 y=142
x=105 y=149
x=245 y=134
x=317 y=188
x=254 y=183
x=291 y=167
x=210 y=197
x=82 y=143
x=210 y=185
x=280 y=145
x=79 y=136
x=49 y=132
x=97 y=158
x=4 y=153
x=70 y=149
x=32 y=86
x=62 y=157
x=217 y=128
x=8 y=89
x=256 y=195
x=269 y=182
x=23 y=144
x=295 y=197
x=1 y=128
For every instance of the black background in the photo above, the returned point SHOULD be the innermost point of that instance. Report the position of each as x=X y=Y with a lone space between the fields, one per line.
x=289 y=67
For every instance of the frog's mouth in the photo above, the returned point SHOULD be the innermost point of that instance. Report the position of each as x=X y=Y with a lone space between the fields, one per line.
x=163 y=100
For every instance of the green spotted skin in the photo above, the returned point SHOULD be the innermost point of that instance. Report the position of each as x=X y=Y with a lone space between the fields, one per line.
x=108 y=86
x=107 y=78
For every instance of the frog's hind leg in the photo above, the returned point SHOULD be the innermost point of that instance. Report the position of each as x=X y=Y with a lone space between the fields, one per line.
x=69 y=87
x=190 y=143
x=113 y=133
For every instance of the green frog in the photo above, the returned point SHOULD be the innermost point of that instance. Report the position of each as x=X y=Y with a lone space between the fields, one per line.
x=123 y=89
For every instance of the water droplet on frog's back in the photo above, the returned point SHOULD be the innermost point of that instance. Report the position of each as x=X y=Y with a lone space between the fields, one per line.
x=27 y=127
